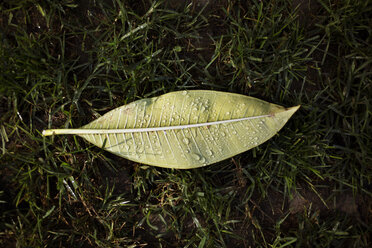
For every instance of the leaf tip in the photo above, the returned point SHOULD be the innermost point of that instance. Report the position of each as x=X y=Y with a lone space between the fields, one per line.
x=294 y=109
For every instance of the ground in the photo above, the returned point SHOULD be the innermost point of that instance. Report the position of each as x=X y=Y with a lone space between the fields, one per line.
x=65 y=63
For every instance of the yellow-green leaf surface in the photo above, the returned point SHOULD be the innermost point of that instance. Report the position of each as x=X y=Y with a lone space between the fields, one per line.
x=185 y=129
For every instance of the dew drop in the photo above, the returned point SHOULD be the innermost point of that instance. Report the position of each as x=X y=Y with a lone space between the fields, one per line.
x=223 y=134
x=227 y=113
x=234 y=132
x=186 y=141
x=209 y=152
x=196 y=156
x=184 y=92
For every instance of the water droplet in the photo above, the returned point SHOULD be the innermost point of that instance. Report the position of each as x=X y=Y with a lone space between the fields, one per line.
x=184 y=92
x=234 y=132
x=172 y=119
x=209 y=152
x=227 y=113
x=202 y=109
x=223 y=134
x=186 y=141
x=194 y=109
x=195 y=156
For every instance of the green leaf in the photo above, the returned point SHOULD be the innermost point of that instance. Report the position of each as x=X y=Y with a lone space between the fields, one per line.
x=185 y=129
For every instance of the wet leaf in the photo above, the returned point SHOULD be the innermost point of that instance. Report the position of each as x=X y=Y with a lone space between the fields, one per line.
x=185 y=129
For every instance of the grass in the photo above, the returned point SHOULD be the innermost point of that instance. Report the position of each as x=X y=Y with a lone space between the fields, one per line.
x=64 y=63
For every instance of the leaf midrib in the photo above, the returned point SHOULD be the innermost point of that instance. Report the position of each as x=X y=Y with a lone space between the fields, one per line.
x=147 y=129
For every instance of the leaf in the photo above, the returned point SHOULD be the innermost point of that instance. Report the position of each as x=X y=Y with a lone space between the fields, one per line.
x=185 y=129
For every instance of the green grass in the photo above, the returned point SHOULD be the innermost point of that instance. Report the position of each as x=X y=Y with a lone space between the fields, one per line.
x=64 y=63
